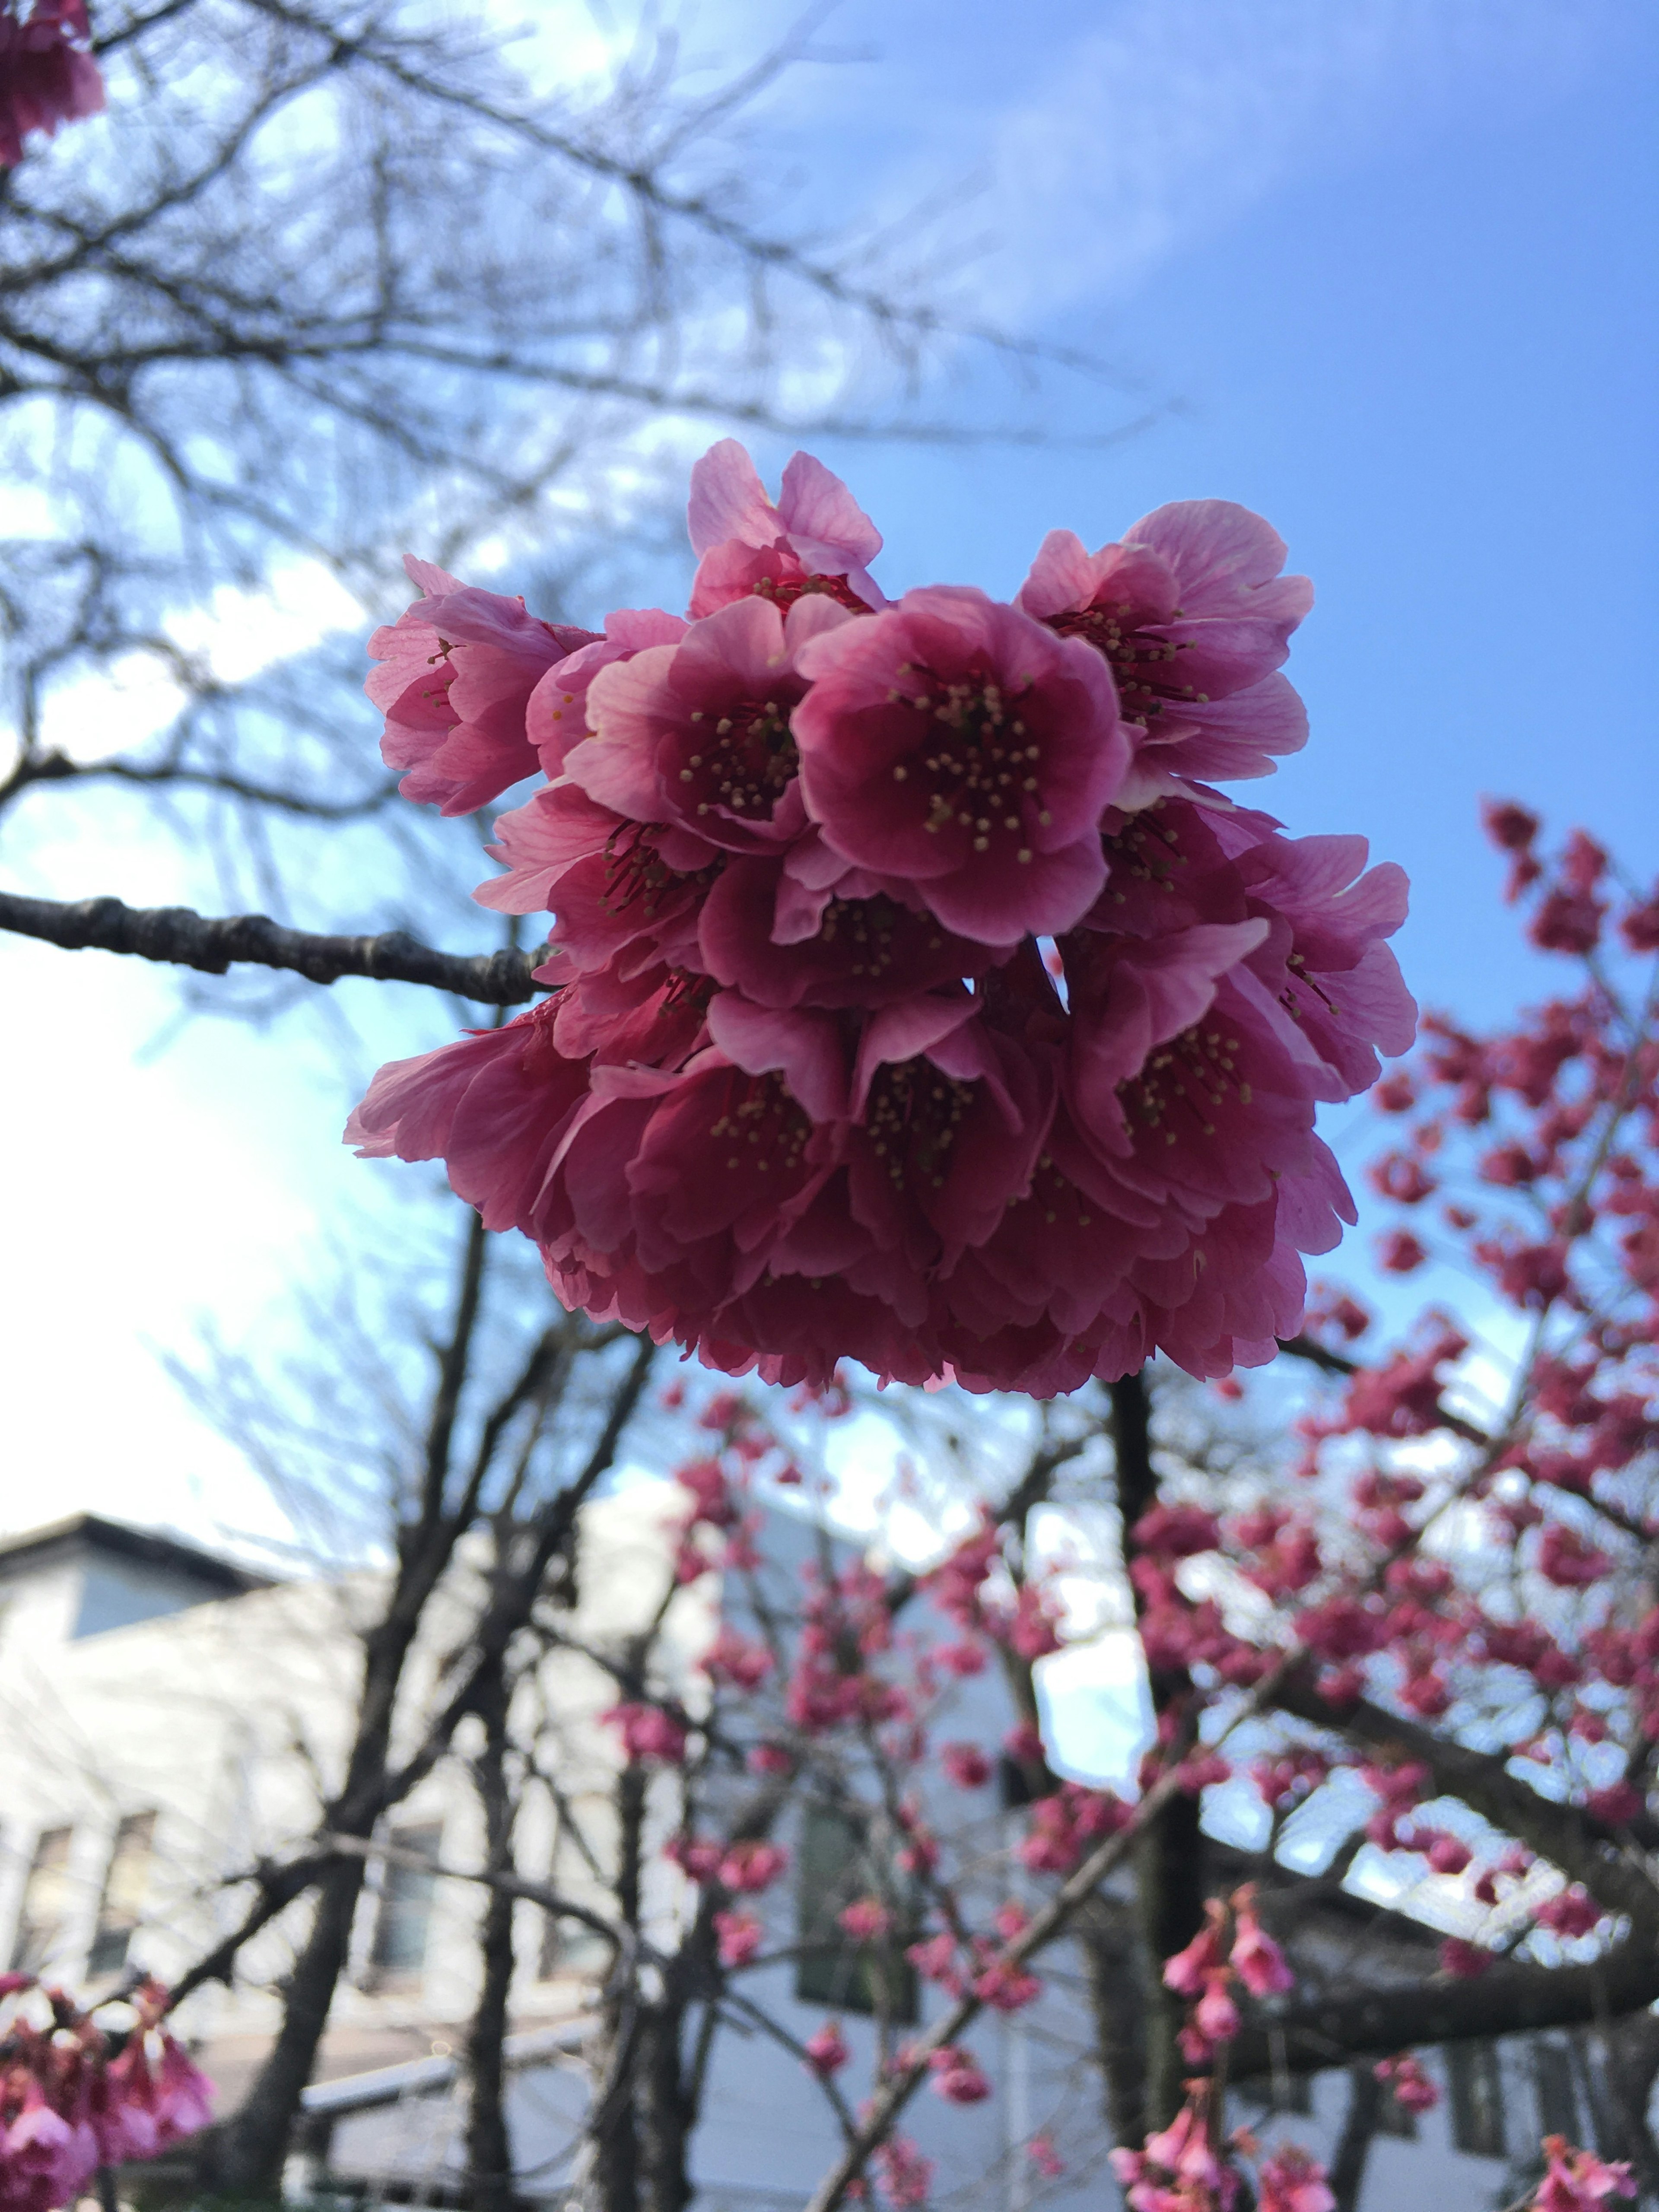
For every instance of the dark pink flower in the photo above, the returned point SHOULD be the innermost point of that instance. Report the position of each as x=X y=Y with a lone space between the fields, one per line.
x=1045 y=2158
x=1413 y=2090
x=495 y=1107
x=965 y=1765
x=957 y=746
x=1291 y=2180
x=1179 y=2170
x=1255 y=1957
x=456 y=673
x=739 y=1936
x=1464 y=1962
x=867 y=1920
x=626 y=894
x=699 y=733
x=752 y=1867
x=1007 y=1988
x=555 y=714
x=816 y=539
x=648 y=1732
x=1569 y=1913
x=958 y=2075
x=841 y=940
x=1188 y=1971
x=826 y=2050
x=736 y=1658
x=1578 y=2181
x=906 y=2175
x=1193 y=618
x=46 y=77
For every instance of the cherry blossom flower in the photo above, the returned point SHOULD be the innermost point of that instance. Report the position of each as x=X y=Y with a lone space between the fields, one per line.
x=1578 y=2181
x=815 y=540
x=826 y=2050
x=67 y=2108
x=958 y=746
x=700 y=733
x=1291 y=2180
x=1045 y=2158
x=46 y=76
x=906 y=2175
x=1193 y=618
x=752 y=1866
x=1413 y=2090
x=957 y=2076
x=965 y=1765
x=866 y=1919
x=739 y=1936
x=648 y=1732
x=1255 y=1957
x=737 y=1659
x=455 y=676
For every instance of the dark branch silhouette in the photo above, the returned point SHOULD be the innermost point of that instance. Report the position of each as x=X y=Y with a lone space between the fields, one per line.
x=214 y=943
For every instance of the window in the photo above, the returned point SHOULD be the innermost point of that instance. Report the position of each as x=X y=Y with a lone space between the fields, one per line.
x=569 y=1947
x=1476 y=2081
x=400 y=1925
x=1551 y=2075
x=837 y=1865
x=122 y=1904
x=1281 y=2092
x=40 y=1923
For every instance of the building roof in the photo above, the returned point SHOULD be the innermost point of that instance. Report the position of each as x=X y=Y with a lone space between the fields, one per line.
x=81 y=1533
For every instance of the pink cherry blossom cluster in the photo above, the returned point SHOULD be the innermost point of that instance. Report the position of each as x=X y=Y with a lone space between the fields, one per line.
x=914 y=997
x=74 y=2098
x=1186 y=2167
x=46 y=74
x=1578 y=2181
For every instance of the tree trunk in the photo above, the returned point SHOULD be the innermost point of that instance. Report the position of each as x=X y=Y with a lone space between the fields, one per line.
x=1169 y=1856
x=663 y=2115
x=246 y=2157
x=488 y=2144
x=1347 y=2173
x=1108 y=1944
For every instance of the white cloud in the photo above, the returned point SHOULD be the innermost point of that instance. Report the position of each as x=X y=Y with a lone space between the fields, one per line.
x=1171 y=119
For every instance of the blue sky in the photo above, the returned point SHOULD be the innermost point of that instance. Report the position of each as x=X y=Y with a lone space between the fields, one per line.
x=1387 y=273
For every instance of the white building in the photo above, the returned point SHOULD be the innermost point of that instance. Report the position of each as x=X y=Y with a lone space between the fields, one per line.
x=169 y=1717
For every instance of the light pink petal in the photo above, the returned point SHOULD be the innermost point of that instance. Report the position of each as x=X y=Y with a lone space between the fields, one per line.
x=1220 y=552
x=826 y=524
x=743 y=641
x=538 y=841
x=429 y=579
x=728 y=500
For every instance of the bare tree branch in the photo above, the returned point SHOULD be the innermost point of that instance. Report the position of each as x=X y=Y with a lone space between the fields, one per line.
x=213 y=943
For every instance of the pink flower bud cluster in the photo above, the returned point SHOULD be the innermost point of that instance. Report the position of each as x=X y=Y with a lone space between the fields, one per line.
x=70 y=2101
x=46 y=76
x=1185 y=2167
x=915 y=997
x=1231 y=1947
x=1181 y=2169
x=1413 y=2090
